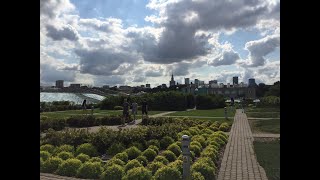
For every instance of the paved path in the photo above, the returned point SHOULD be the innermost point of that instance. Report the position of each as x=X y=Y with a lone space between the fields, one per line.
x=239 y=161
x=263 y=135
x=46 y=176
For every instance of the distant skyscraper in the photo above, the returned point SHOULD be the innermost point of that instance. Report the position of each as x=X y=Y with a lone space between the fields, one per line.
x=196 y=82
x=172 y=82
x=201 y=82
x=252 y=82
x=186 y=81
x=59 y=84
x=235 y=80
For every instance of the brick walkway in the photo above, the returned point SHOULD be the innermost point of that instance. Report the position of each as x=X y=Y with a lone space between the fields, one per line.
x=239 y=161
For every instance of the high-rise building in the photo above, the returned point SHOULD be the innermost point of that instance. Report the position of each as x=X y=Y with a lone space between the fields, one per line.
x=201 y=82
x=172 y=82
x=148 y=85
x=235 y=80
x=196 y=82
x=252 y=82
x=59 y=83
x=186 y=81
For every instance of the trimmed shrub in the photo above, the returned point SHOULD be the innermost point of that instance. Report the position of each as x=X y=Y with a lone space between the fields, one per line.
x=69 y=167
x=65 y=155
x=197 y=176
x=122 y=156
x=207 y=131
x=47 y=147
x=161 y=159
x=153 y=142
x=90 y=170
x=199 y=139
x=118 y=108
x=115 y=148
x=166 y=141
x=138 y=173
x=51 y=165
x=143 y=160
x=194 y=131
x=115 y=161
x=88 y=149
x=83 y=157
x=210 y=153
x=150 y=154
x=206 y=160
x=155 y=148
x=224 y=127
x=132 y=164
x=177 y=164
x=206 y=171
x=195 y=143
x=196 y=149
x=95 y=159
x=114 y=172
x=138 y=145
x=169 y=155
x=168 y=173
x=45 y=155
x=175 y=149
x=41 y=164
x=133 y=152
x=154 y=166
x=64 y=147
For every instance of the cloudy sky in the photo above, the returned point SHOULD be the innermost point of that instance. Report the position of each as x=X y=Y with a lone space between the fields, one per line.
x=134 y=42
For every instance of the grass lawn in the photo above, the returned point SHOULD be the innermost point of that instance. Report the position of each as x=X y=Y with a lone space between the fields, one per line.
x=263 y=114
x=266 y=126
x=97 y=113
x=268 y=155
x=208 y=113
x=271 y=109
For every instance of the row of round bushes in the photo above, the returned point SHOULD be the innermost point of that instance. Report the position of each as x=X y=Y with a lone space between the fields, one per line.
x=131 y=162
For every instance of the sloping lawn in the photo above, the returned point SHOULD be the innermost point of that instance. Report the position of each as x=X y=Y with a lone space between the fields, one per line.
x=208 y=113
x=265 y=126
x=268 y=156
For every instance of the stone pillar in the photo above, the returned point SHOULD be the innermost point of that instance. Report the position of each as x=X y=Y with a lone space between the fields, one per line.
x=186 y=157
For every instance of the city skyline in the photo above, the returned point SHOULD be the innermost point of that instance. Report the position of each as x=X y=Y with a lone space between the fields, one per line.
x=133 y=42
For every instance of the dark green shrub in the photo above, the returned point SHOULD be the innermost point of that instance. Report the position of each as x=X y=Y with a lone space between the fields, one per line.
x=115 y=161
x=175 y=149
x=150 y=154
x=83 y=157
x=143 y=160
x=45 y=155
x=81 y=121
x=64 y=147
x=132 y=164
x=118 y=108
x=133 y=152
x=138 y=173
x=197 y=176
x=87 y=149
x=69 y=167
x=153 y=142
x=114 y=172
x=122 y=156
x=168 y=173
x=138 y=145
x=206 y=171
x=51 y=165
x=115 y=148
x=90 y=170
x=165 y=142
x=41 y=164
x=155 y=148
x=65 y=155
x=169 y=155
x=206 y=160
x=154 y=166
x=161 y=159
x=196 y=149
x=47 y=147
